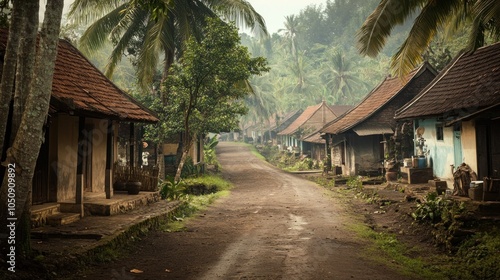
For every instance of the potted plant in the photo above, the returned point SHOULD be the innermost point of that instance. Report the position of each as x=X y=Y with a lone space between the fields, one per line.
x=134 y=184
x=120 y=176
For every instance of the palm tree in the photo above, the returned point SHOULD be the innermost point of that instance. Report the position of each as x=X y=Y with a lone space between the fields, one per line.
x=290 y=32
x=159 y=27
x=483 y=15
x=262 y=103
x=340 y=78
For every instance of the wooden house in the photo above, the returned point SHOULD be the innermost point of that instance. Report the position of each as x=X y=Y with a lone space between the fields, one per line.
x=356 y=139
x=310 y=120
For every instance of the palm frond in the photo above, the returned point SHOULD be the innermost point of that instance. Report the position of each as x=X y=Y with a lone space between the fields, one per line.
x=433 y=15
x=487 y=16
x=476 y=36
x=378 y=26
x=242 y=13
x=134 y=21
x=156 y=41
x=97 y=33
x=488 y=10
x=86 y=11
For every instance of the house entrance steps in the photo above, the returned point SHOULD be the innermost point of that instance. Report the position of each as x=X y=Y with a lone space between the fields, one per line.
x=50 y=213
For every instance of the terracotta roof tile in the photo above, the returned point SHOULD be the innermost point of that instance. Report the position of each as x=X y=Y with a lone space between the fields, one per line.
x=79 y=88
x=304 y=118
x=469 y=83
x=339 y=110
x=373 y=102
x=277 y=119
x=314 y=137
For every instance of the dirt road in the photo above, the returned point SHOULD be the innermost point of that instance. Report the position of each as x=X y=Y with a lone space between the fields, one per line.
x=273 y=225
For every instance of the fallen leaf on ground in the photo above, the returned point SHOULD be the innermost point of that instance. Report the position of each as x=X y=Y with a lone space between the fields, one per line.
x=135 y=270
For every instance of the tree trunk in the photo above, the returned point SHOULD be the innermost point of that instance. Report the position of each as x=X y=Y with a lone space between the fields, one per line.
x=23 y=153
x=187 y=145
x=9 y=68
x=25 y=64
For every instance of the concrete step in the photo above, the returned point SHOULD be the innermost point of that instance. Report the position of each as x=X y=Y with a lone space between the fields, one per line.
x=62 y=219
x=40 y=213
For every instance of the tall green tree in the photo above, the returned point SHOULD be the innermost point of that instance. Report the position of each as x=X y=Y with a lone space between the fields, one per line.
x=433 y=16
x=156 y=28
x=204 y=88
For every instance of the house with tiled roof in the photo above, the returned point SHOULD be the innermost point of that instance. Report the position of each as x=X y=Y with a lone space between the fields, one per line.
x=77 y=158
x=315 y=143
x=458 y=115
x=279 y=123
x=356 y=139
x=266 y=131
x=309 y=121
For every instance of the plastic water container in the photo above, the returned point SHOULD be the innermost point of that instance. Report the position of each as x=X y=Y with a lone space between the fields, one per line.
x=422 y=162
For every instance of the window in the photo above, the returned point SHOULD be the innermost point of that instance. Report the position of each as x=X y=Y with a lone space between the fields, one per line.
x=439 y=132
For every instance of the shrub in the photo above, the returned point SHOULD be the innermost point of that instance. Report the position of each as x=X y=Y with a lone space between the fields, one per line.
x=354 y=182
x=170 y=189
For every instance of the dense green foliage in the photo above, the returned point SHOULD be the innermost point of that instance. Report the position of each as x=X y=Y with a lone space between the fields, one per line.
x=171 y=189
x=153 y=32
x=203 y=91
x=314 y=58
x=200 y=185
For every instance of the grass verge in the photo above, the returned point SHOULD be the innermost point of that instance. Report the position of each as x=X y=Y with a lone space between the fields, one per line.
x=386 y=249
x=195 y=204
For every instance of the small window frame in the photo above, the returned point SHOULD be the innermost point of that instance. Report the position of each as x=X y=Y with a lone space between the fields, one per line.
x=439 y=132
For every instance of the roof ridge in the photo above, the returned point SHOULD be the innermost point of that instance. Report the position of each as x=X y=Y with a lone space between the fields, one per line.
x=404 y=83
x=430 y=85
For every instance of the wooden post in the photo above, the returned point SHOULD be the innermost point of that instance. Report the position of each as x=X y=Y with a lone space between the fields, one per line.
x=109 y=160
x=79 y=166
x=131 y=145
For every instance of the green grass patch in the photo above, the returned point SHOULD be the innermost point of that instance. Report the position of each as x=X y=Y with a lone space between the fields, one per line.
x=478 y=258
x=210 y=181
x=386 y=249
x=255 y=152
x=197 y=203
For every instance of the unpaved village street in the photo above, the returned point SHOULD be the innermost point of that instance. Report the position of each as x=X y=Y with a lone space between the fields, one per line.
x=273 y=225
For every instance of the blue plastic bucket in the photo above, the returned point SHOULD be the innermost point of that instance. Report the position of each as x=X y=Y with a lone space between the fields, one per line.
x=422 y=162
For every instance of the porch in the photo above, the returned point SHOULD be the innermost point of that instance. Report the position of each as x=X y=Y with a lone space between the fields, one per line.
x=66 y=212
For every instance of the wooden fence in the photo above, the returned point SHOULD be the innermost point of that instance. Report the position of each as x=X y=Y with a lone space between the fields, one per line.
x=148 y=176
